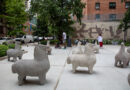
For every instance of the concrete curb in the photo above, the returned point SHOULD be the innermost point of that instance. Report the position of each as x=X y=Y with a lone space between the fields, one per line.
x=5 y=57
x=2 y=58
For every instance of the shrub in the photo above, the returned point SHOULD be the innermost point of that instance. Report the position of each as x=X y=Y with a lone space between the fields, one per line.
x=107 y=42
x=4 y=43
x=53 y=41
x=3 y=49
x=120 y=41
x=90 y=40
x=44 y=42
x=11 y=46
x=127 y=43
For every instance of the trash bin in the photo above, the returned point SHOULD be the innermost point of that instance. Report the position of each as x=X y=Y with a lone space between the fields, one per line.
x=69 y=42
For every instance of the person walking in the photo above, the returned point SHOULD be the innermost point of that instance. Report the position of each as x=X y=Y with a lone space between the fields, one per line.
x=64 y=39
x=100 y=39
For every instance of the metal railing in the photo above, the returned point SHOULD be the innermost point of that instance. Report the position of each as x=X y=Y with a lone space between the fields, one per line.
x=103 y=17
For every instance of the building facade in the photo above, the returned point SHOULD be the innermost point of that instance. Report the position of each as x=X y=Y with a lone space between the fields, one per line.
x=105 y=10
x=102 y=17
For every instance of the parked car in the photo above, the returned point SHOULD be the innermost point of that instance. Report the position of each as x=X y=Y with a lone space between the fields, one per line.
x=36 y=39
x=27 y=39
x=18 y=38
x=4 y=39
x=40 y=38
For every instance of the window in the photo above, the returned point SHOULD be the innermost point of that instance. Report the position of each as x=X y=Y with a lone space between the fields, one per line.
x=112 y=17
x=97 y=17
x=112 y=5
x=26 y=3
x=127 y=5
x=97 y=6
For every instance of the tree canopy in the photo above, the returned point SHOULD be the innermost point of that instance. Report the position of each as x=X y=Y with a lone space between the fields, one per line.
x=13 y=14
x=125 y=23
x=54 y=16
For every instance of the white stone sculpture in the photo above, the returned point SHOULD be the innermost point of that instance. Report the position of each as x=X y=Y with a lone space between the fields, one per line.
x=128 y=55
x=49 y=49
x=128 y=50
x=15 y=53
x=37 y=67
x=122 y=57
x=129 y=78
x=10 y=42
x=17 y=45
x=87 y=59
x=78 y=49
x=96 y=48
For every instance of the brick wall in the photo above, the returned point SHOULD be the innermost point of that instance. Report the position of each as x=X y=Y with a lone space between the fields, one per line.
x=89 y=11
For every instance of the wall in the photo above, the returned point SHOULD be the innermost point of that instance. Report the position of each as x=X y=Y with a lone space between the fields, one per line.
x=89 y=11
x=90 y=30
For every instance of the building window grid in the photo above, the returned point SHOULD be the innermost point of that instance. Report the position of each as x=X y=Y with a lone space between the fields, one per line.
x=127 y=5
x=97 y=6
x=112 y=17
x=112 y=5
x=97 y=16
x=26 y=3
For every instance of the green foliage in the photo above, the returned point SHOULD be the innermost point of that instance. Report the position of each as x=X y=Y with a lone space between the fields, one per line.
x=125 y=23
x=44 y=42
x=11 y=46
x=54 y=41
x=3 y=49
x=13 y=14
x=90 y=40
x=16 y=33
x=16 y=14
x=4 y=43
x=54 y=16
x=107 y=42
x=127 y=43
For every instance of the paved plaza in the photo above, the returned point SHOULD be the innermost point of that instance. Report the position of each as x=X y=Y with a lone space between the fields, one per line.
x=61 y=77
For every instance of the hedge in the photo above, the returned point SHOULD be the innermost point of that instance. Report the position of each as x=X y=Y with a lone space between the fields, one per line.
x=3 y=49
x=44 y=42
x=11 y=46
x=127 y=43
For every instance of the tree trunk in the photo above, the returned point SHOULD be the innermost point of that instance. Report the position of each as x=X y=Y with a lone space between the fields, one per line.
x=4 y=27
x=60 y=37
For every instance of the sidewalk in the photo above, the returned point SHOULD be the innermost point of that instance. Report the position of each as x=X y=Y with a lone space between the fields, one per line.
x=61 y=77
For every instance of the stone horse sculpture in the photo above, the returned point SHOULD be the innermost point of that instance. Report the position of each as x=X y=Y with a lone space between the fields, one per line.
x=96 y=48
x=87 y=59
x=78 y=49
x=39 y=66
x=122 y=57
x=49 y=49
x=129 y=78
x=17 y=52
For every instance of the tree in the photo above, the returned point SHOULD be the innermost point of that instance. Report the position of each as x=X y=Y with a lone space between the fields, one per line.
x=55 y=15
x=125 y=23
x=2 y=13
x=13 y=15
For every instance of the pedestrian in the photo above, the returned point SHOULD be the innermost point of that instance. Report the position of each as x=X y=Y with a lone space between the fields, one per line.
x=100 y=39
x=64 y=39
x=76 y=41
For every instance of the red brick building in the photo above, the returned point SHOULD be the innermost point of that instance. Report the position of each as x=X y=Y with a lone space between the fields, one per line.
x=105 y=10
